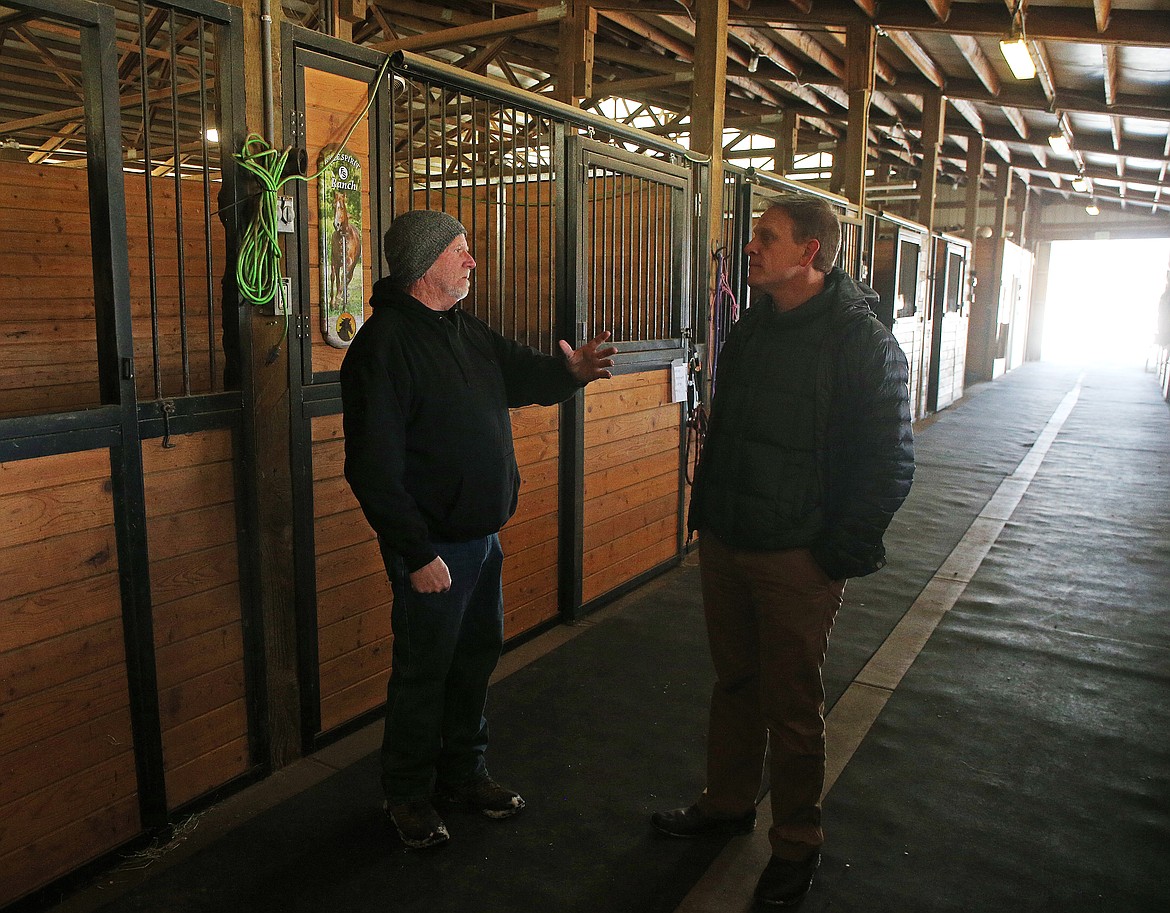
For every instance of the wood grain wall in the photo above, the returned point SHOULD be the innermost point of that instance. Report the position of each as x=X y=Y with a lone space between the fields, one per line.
x=353 y=594
x=530 y=540
x=631 y=479
x=48 y=340
x=951 y=358
x=67 y=779
x=197 y=611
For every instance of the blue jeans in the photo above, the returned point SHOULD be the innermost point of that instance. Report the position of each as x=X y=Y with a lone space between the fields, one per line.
x=446 y=646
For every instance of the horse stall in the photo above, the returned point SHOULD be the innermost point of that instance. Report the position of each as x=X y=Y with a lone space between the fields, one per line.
x=950 y=308
x=899 y=276
x=571 y=236
x=124 y=685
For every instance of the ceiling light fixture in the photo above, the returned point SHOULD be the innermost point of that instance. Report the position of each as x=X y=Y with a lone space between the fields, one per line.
x=1092 y=209
x=1080 y=184
x=1015 y=48
x=1059 y=143
x=212 y=135
x=1019 y=59
x=754 y=63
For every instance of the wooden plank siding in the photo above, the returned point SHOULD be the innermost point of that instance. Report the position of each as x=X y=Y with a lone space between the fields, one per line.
x=353 y=593
x=631 y=481
x=68 y=788
x=48 y=340
x=951 y=358
x=198 y=612
x=332 y=102
x=530 y=539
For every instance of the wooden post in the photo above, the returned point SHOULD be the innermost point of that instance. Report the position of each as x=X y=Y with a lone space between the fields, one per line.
x=577 y=31
x=984 y=325
x=786 y=139
x=974 y=176
x=346 y=13
x=837 y=175
x=933 y=116
x=860 y=42
x=267 y=404
x=708 y=96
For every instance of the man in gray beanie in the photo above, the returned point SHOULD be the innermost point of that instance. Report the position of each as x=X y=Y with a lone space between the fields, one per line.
x=426 y=388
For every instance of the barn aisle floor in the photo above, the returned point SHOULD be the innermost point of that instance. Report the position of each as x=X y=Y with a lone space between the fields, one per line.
x=1000 y=703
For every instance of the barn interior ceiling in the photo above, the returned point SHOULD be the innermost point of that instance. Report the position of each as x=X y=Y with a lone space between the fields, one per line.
x=1094 y=119
x=1102 y=79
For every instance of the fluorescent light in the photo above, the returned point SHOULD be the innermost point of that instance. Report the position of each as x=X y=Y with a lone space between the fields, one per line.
x=1092 y=209
x=1059 y=143
x=1080 y=184
x=1015 y=52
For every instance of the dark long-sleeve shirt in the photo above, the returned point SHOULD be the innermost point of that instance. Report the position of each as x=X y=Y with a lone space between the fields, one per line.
x=428 y=437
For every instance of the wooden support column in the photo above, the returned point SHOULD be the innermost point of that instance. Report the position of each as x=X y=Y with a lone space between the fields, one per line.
x=265 y=386
x=984 y=326
x=786 y=138
x=708 y=97
x=348 y=12
x=575 y=77
x=933 y=115
x=837 y=175
x=860 y=40
x=974 y=178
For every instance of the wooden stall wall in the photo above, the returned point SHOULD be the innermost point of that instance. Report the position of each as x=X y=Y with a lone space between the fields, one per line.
x=530 y=539
x=48 y=361
x=196 y=336
x=48 y=337
x=952 y=359
x=951 y=314
x=899 y=277
x=353 y=592
x=197 y=610
x=1014 y=306
x=68 y=788
x=631 y=486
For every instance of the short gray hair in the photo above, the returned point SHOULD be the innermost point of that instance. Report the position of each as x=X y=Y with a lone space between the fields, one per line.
x=811 y=218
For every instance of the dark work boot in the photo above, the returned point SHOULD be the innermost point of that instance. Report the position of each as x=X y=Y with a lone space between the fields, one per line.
x=785 y=881
x=418 y=824
x=692 y=822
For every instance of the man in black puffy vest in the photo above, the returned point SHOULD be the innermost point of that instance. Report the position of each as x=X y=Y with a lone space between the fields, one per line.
x=808 y=456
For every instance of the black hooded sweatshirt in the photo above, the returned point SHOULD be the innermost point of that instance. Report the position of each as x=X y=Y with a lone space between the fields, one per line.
x=428 y=437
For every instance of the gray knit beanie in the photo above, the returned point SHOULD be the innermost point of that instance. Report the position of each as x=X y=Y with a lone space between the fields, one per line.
x=414 y=241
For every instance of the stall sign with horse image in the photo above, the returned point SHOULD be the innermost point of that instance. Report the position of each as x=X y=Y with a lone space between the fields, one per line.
x=342 y=284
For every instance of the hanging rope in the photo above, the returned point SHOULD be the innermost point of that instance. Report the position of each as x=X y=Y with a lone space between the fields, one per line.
x=723 y=312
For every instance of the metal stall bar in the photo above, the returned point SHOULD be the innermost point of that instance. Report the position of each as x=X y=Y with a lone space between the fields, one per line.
x=176 y=168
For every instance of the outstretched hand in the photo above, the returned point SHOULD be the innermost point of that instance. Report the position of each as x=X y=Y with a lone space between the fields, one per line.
x=592 y=360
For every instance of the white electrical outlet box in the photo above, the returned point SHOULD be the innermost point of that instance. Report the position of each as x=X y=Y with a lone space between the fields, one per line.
x=286 y=215
x=283 y=301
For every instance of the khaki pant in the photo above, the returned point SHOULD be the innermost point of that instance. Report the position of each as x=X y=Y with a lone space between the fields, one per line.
x=769 y=615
